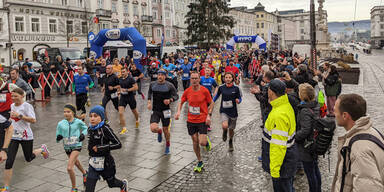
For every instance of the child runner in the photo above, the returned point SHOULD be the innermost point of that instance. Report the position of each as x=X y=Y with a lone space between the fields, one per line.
x=101 y=163
x=72 y=131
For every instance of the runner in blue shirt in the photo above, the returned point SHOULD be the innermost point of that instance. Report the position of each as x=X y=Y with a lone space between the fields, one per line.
x=171 y=69
x=185 y=69
x=81 y=84
x=231 y=96
x=208 y=82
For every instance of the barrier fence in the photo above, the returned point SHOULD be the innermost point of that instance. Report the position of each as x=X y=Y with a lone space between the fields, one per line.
x=51 y=79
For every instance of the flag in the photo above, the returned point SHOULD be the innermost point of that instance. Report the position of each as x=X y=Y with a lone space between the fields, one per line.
x=162 y=45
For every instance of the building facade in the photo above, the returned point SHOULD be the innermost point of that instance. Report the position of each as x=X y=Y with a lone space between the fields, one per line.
x=377 y=26
x=245 y=21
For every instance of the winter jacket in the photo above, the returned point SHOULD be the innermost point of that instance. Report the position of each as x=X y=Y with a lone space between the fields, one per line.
x=307 y=114
x=73 y=129
x=332 y=85
x=262 y=97
x=279 y=151
x=366 y=162
x=22 y=84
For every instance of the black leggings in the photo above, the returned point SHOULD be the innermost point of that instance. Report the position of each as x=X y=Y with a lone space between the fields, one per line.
x=81 y=100
x=112 y=183
x=185 y=84
x=13 y=147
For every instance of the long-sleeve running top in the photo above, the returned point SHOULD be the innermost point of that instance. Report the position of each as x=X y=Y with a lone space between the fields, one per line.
x=228 y=101
x=160 y=91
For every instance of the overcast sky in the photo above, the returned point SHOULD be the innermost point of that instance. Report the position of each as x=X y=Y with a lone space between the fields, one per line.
x=338 y=10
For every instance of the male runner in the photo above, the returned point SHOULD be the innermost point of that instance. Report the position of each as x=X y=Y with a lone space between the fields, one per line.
x=81 y=84
x=163 y=93
x=199 y=115
x=110 y=87
x=128 y=86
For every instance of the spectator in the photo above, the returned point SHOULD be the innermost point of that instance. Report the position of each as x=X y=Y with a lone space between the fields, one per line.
x=332 y=86
x=361 y=168
x=15 y=79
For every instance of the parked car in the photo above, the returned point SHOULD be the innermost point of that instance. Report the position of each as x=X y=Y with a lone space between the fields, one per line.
x=18 y=64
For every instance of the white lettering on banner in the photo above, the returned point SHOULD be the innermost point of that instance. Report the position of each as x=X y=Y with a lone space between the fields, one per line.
x=242 y=39
x=91 y=37
x=113 y=34
x=92 y=54
x=137 y=54
x=32 y=38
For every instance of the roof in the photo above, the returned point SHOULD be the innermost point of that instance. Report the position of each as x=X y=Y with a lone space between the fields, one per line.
x=289 y=12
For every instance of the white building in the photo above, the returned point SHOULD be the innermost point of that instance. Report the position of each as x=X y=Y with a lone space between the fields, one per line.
x=377 y=26
x=245 y=21
x=44 y=23
x=4 y=35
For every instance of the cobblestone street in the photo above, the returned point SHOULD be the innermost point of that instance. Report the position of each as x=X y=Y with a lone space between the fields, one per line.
x=142 y=161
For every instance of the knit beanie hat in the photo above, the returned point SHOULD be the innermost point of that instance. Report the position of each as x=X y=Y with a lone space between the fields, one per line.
x=99 y=110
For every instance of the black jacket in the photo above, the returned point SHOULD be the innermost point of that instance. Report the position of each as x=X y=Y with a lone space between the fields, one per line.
x=105 y=141
x=304 y=130
x=262 y=97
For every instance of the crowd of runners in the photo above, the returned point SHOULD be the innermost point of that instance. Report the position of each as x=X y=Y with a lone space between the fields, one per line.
x=286 y=87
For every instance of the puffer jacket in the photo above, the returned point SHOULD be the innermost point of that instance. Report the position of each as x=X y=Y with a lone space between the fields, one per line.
x=304 y=131
x=366 y=171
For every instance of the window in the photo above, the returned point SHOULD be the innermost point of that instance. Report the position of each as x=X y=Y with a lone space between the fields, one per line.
x=1 y=24
x=19 y=24
x=114 y=26
x=105 y=25
x=166 y=1
x=100 y=4
x=167 y=14
x=113 y=8
x=158 y=33
x=80 y=3
x=302 y=31
x=302 y=37
x=261 y=15
x=301 y=23
x=382 y=26
x=126 y=8
x=168 y=33
x=154 y=14
x=84 y=27
x=69 y=26
x=153 y=1
x=257 y=25
x=135 y=10
x=173 y=33
x=382 y=34
x=143 y=12
x=257 y=16
x=64 y=2
x=35 y=25
x=52 y=25
x=381 y=18
x=262 y=25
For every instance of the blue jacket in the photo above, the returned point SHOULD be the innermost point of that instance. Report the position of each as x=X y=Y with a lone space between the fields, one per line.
x=73 y=129
x=81 y=82
x=186 y=71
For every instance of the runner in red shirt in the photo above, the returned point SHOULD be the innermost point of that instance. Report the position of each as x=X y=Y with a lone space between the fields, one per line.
x=199 y=115
x=234 y=70
x=202 y=71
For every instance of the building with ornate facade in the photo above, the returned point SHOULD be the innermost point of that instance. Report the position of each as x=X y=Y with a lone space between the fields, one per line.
x=377 y=26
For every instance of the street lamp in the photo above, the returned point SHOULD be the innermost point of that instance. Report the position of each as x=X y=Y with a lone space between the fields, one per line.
x=313 y=35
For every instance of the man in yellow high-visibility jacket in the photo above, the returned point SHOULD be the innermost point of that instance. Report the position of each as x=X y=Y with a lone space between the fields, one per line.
x=279 y=152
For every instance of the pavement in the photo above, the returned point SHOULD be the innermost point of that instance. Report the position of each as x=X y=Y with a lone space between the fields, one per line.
x=142 y=161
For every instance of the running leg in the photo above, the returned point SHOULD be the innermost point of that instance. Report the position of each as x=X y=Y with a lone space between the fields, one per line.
x=29 y=153
x=90 y=185
x=196 y=147
x=71 y=162
x=121 y=115
x=12 y=151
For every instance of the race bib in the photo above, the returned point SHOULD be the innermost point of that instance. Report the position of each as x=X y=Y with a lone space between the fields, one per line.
x=227 y=104
x=167 y=114
x=154 y=76
x=185 y=74
x=114 y=95
x=3 y=98
x=102 y=75
x=70 y=141
x=18 y=134
x=194 y=110
x=124 y=92
x=97 y=163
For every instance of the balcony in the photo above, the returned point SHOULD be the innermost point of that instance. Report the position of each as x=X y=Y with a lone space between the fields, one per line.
x=146 y=18
x=103 y=13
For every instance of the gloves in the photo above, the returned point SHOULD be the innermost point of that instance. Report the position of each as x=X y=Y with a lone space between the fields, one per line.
x=81 y=137
x=58 y=138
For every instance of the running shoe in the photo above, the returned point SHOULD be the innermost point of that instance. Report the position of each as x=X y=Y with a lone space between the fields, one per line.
x=4 y=189
x=85 y=177
x=198 y=167
x=167 y=150
x=209 y=145
x=230 y=145
x=159 y=137
x=209 y=128
x=137 y=124
x=225 y=135
x=74 y=190
x=44 y=151
x=125 y=186
x=123 y=131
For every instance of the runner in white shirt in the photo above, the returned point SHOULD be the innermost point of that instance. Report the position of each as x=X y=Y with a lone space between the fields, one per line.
x=22 y=115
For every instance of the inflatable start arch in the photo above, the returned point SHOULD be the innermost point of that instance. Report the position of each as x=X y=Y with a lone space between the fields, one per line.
x=139 y=45
x=247 y=39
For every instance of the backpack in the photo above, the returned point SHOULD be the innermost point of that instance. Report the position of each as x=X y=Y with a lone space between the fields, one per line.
x=324 y=129
x=347 y=151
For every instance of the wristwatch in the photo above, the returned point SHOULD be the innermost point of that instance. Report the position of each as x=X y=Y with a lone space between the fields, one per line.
x=4 y=149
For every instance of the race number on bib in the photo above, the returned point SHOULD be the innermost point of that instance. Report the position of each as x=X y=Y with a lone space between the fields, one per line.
x=18 y=134
x=3 y=98
x=97 y=163
x=194 y=110
x=114 y=95
x=124 y=92
x=227 y=104
x=185 y=74
x=70 y=141
x=167 y=114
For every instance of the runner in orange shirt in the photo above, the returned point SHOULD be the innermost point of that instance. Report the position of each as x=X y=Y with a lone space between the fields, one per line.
x=199 y=115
